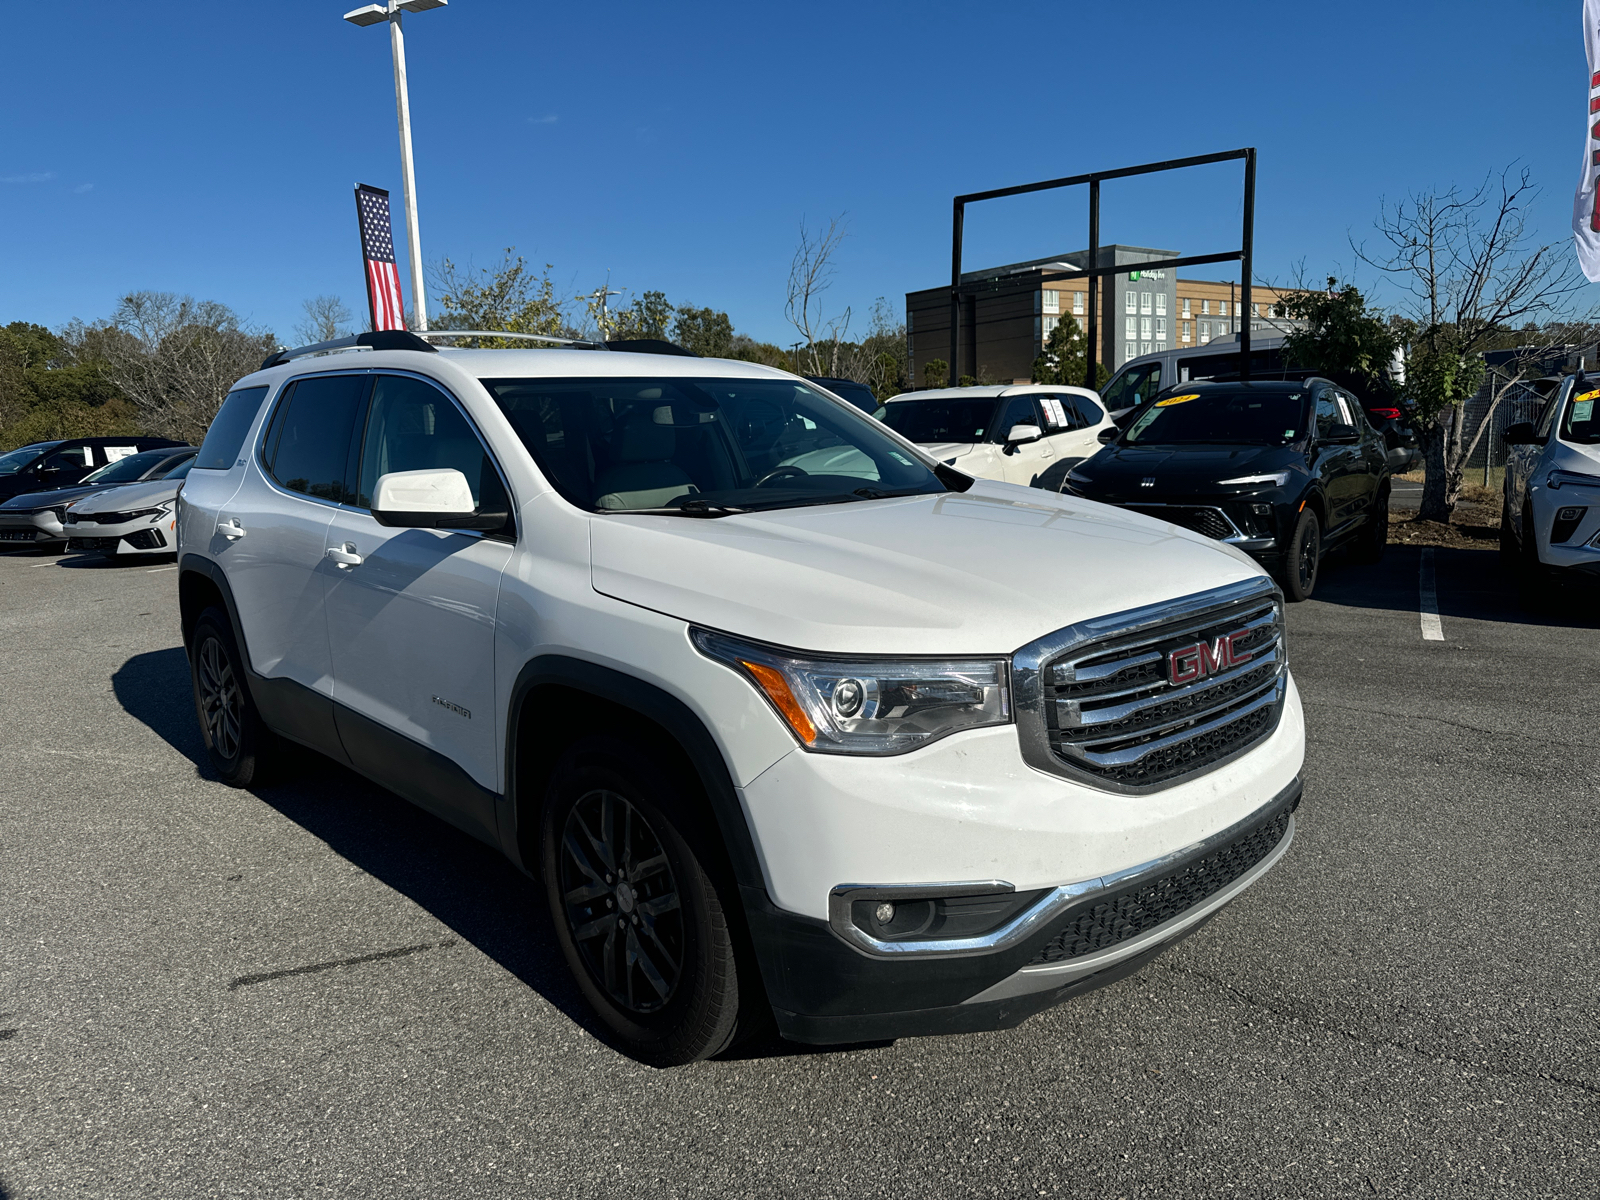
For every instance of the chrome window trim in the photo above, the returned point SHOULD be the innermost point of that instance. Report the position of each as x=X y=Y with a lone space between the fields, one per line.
x=1162 y=621
x=1049 y=906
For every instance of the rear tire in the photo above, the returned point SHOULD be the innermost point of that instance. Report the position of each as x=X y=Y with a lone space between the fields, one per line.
x=1304 y=558
x=635 y=904
x=1510 y=551
x=236 y=739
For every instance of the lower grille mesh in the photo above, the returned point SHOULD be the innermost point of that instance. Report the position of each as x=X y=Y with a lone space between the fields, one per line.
x=1208 y=521
x=1123 y=915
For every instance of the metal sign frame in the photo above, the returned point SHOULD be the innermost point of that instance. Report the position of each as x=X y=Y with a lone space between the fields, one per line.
x=1094 y=271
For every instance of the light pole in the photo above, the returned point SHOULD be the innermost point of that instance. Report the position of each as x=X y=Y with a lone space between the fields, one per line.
x=391 y=12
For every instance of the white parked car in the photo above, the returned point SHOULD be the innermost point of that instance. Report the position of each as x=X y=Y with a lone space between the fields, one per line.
x=874 y=751
x=1551 y=514
x=1031 y=434
x=138 y=519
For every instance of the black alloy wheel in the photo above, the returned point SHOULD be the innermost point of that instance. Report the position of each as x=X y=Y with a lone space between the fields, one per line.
x=234 y=735
x=621 y=901
x=631 y=875
x=1304 y=557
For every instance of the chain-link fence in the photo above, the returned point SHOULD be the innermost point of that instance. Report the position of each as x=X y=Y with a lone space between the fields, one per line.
x=1520 y=403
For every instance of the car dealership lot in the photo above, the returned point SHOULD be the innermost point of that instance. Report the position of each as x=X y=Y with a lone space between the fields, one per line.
x=315 y=989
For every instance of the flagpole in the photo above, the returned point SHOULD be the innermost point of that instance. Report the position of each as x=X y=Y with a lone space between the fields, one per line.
x=397 y=42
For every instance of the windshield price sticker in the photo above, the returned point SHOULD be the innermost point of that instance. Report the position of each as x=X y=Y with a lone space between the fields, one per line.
x=1171 y=400
x=1583 y=410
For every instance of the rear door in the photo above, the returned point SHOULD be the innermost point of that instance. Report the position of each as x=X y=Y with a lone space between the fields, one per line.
x=271 y=536
x=412 y=623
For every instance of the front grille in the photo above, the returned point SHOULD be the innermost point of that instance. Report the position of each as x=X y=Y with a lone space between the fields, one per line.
x=1201 y=519
x=1112 y=919
x=1113 y=712
x=92 y=543
x=111 y=518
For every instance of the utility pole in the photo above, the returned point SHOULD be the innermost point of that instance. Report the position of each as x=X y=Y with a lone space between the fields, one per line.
x=391 y=11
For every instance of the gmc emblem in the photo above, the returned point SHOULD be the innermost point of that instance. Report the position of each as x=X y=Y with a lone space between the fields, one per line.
x=1207 y=658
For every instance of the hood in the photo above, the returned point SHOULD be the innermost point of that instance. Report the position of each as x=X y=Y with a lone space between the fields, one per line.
x=121 y=498
x=945 y=451
x=1119 y=471
x=980 y=572
x=32 y=501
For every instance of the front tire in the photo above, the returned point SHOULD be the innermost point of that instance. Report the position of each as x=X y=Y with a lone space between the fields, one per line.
x=1304 y=558
x=640 y=919
x=1510 y=551
x=1534 y=578
x=236 y=739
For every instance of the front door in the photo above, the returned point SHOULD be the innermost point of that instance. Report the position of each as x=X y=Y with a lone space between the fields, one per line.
x=412 y=623
x=1340 y=466
x=1021 y=462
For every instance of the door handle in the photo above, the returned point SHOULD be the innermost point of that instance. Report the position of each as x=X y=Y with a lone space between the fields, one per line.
x=345 y=555
x=231 y=529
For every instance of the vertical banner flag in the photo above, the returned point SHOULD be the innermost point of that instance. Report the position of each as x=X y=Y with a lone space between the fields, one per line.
x=377 y=252
x=1586 y=207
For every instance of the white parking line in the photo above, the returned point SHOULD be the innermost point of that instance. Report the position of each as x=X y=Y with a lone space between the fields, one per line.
x=153 y=570
x=1432 y=630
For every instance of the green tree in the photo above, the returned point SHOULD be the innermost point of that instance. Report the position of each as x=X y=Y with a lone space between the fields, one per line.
x=706 y=331
x=46 y=394
x=1343 y=339
x=934 y=372
x=1065 y=359
x=507 y=297
x=647 y=317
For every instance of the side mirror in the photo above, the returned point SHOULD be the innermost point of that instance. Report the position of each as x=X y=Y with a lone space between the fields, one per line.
x=1108 y=435
x=431 y=499
x=1023 y=433
x=1341 y=435
x=1519 y=434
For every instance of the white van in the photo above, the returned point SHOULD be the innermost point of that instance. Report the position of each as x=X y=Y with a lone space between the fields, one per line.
x=1141 y=378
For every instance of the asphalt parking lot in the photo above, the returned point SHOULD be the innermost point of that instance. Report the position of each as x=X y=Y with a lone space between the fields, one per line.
x=317 y=990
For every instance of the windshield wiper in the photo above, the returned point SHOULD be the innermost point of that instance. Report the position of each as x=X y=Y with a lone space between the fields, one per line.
x=689 y=508
x=872 y=493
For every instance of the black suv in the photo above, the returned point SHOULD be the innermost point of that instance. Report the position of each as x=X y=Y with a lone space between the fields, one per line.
x=1285 y=471
x=44 y=466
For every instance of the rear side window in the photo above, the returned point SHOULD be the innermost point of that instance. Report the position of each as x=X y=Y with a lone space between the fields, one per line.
x=228 y=428
x=1089 y=413
x=310 y=445
x=413 y=426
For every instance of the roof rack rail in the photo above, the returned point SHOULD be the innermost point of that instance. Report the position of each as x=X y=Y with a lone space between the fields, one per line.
x=579 y=343
x=383 y=339
x=650 y=346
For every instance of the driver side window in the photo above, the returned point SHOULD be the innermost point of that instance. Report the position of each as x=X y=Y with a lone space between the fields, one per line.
x=1018 y=410
x=413 y=426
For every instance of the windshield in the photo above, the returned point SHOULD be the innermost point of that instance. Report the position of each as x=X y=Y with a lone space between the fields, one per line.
x=940 y=420
x=1222 y=416
x=1580 y=424
x=704 y=447
x=129 y=469
x=14 y=461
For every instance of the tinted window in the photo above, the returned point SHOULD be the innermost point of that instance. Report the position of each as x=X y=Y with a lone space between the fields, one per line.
x=130 y=469
x=690 y=444
x=220 y=450
x=1223 y=417
x=413 y=426
x=1581 y=424
x=1018 y=410
x=940 y=420
x=73 y=458
x=858 y=394
x=182 y=469
x=13 y=462
x=1089 y=413
x=1328 y=414
x=1133 y=387
x=309 y=444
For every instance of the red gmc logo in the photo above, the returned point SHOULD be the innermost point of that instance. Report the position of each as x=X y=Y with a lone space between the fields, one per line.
x=1207 y=658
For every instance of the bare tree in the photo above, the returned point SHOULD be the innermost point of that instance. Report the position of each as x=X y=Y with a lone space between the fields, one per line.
x=1471 y=275
x=326 y=318
x=811 y=273
x=173 y=357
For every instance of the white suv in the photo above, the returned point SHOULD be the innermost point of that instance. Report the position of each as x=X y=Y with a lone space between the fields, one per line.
x=867 y=746
x=1551 y=513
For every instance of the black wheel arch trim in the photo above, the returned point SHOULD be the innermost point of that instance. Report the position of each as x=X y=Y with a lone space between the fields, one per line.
x=653 y=704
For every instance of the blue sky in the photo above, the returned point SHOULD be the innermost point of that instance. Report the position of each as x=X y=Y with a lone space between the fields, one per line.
x=211 y=148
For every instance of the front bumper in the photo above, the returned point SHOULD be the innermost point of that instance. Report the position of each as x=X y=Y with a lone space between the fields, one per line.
x=129 y=537
x=1579 y=549
x=825 y=991
x=30 y=528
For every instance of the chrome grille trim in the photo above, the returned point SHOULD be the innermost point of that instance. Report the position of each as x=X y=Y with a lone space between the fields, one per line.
x=1095 y=652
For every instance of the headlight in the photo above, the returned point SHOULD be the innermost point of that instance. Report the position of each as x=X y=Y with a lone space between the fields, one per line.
x=1556 y=479
x=868 y=706
x=160 y=513
x=1275 y=480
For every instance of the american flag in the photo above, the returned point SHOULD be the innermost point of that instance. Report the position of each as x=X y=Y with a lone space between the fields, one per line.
x=377 y=249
